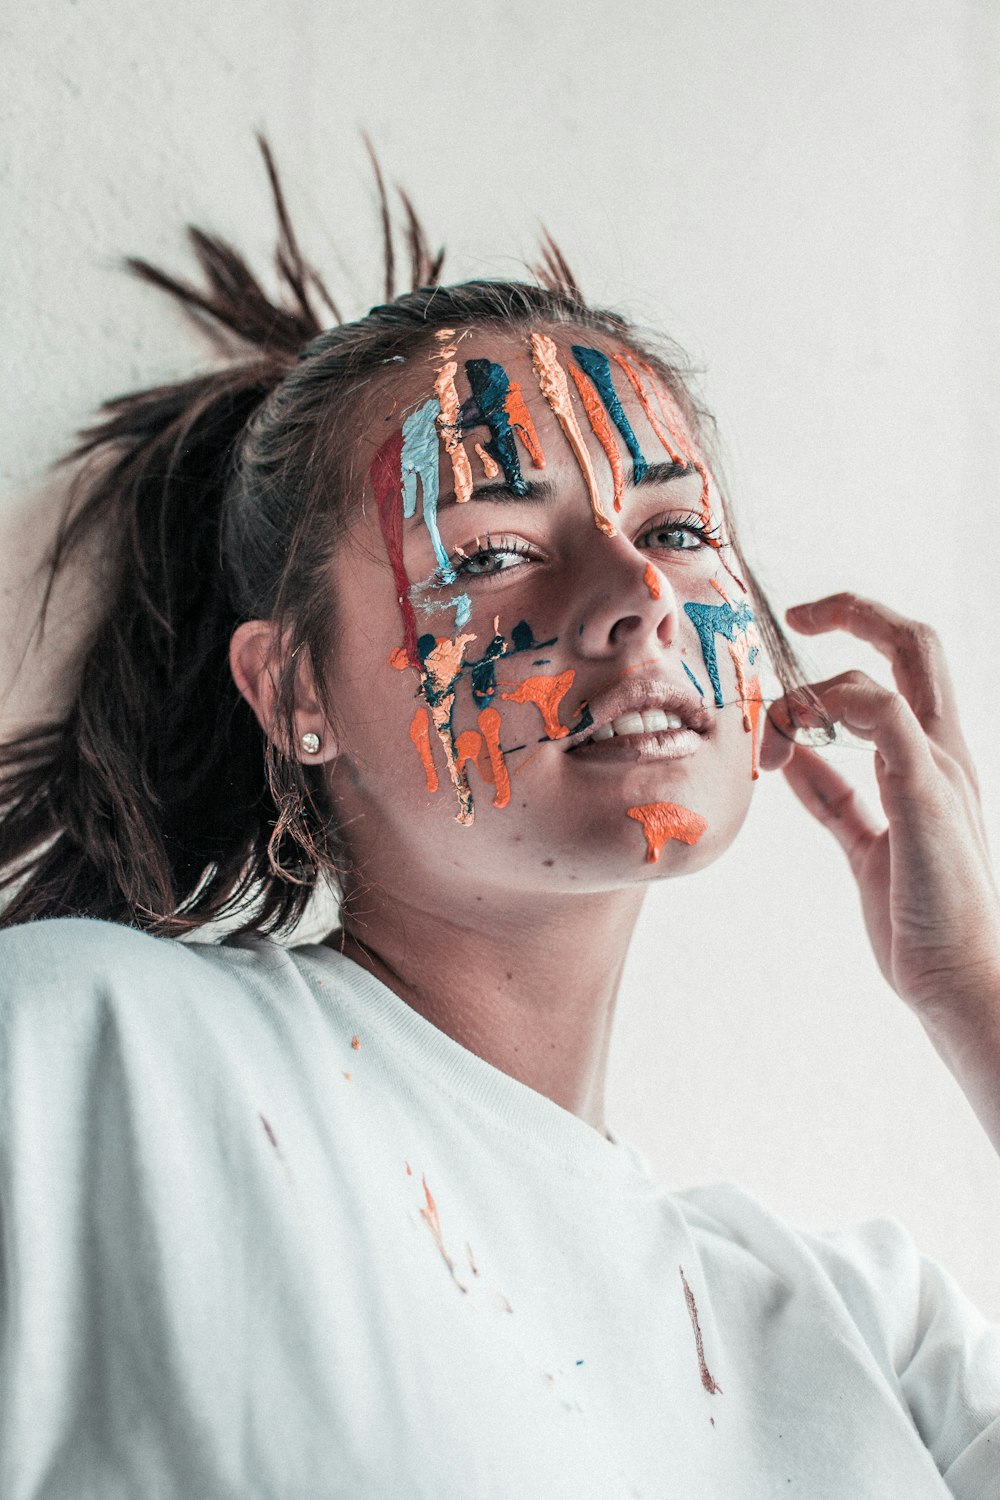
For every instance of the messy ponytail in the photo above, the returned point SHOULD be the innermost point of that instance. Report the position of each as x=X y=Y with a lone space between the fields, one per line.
x=156 y=800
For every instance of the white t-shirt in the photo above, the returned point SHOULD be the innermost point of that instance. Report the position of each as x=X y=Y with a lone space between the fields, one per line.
x=267 y=1232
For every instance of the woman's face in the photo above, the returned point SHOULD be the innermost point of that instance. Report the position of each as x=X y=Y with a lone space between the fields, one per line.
x=544 y=673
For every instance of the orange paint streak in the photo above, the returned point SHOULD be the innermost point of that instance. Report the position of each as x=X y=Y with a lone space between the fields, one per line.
x=652 y=580
x=355 y=1042
x=467 y=747
x=433 y=1222
x=546 y=693
x=420 y=734
x=666 y=820
x=554 y=387
x=717 y=586
x=519 y=418
x=601 y=428
x=490 y=466
x=489 y=723
x=399 y=659
x=450 y=427
x=749 y=696
x=635 y=380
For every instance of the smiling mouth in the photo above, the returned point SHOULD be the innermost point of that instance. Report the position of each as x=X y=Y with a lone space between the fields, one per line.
x=652 y=734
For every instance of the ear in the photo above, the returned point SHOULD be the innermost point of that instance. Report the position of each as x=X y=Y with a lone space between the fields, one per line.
x=254 y=660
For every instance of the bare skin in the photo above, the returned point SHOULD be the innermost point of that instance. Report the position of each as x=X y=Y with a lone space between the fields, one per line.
x=510 y=934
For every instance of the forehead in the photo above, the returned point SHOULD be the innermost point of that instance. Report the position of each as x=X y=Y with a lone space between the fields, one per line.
x=516 y=399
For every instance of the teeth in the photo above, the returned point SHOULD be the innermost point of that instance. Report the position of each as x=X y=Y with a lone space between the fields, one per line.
x=651 y=721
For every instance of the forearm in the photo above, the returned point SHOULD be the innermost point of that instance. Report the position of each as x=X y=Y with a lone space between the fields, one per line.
x=968 y=1039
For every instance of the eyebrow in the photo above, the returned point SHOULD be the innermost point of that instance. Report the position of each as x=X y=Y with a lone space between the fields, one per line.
x=541 y=489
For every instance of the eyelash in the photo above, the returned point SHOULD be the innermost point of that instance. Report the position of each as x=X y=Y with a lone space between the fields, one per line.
x=489 y=547
x=693 y=524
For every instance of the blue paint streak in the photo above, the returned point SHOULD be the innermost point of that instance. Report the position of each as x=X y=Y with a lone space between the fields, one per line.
x=711 y=620
x=419 y=460
x=598 y=367
x=490 y=386
x=693 y=678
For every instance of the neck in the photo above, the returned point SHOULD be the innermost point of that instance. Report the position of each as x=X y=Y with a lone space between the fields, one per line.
x=531 y=990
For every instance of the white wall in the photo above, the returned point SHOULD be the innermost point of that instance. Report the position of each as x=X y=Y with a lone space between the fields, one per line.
x=804 y=195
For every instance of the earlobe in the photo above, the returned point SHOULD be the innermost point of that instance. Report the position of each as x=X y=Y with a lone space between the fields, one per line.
x=254 y=663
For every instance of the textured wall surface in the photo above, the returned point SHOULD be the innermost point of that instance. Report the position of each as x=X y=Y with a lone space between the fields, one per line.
x=805 y=197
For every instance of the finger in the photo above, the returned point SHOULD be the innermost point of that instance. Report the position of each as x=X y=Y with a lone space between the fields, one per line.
x=832 y=801
x=913 y=650
x=874 y=713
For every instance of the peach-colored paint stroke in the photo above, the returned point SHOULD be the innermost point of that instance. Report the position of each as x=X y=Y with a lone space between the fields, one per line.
x=651 y=578
x=442 y=669
x=554 y=386
x=666 y=820
x=748 y=695
x=677 y=422
x=490 y=466
x=635 y=380
x=717 y=586
x=601 y=427
x=420 y=734
x=519 y=418
x=711 y=1386
x=546 y=693
x=429 y=1214
x=450 y=428
x=355 y=1042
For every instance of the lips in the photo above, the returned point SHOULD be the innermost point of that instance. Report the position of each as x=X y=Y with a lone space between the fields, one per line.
x=642 y=711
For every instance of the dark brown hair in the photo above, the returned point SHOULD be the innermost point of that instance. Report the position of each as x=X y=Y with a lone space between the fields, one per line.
x=156 y=800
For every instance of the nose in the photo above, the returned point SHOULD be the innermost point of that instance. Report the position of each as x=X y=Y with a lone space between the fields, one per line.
x=626 y=603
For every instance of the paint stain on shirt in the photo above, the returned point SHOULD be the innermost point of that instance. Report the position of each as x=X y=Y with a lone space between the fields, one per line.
x=711 y=1386
x=662 y=821
x=431 y=1218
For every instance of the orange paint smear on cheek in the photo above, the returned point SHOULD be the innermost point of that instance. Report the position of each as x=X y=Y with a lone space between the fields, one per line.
x=554 y=387
x=546 y=693
x=490 y=466
x=652 y=581
x=489 y=723
x=598 y=419
x=666 y=820
x=442 y=668
x=717 y=586
x=420 y=734
x=519 y=418
x=450 y=428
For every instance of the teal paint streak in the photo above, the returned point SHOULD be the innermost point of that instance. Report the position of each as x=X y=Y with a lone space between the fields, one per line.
x=710 y=620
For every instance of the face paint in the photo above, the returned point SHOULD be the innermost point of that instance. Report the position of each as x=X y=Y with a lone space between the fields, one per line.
x=490 y=389
x=442 y=663
x=420 y=734
x=554 y=387
x=602 y=431
x=520 y=420
x=666 y=820
x=693 y=678
x=490 y=466
x=711 y=620
x=450 y=420
x=385 y=478
x=419 y=461
x=675 y=420
x=651 y=578
x=598 y=367
x=546 y=693
x=744 y=653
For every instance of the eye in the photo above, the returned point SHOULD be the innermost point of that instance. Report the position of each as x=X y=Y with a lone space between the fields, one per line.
x=675 y=533
x=490 y=556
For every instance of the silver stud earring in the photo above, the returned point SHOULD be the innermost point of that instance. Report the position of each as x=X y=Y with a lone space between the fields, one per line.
x=310 y=743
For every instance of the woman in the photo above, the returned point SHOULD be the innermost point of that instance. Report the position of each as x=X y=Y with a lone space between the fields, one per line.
x=444 y=603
